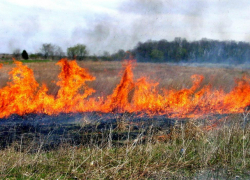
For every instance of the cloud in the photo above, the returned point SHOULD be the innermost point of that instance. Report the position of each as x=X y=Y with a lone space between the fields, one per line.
x=142 y=6
x=98 y=33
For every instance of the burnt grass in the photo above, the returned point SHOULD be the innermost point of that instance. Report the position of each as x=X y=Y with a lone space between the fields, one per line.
x=122 y=146
x=50 y=131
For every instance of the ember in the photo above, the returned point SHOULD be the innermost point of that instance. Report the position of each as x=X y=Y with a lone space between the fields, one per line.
x=22 y=95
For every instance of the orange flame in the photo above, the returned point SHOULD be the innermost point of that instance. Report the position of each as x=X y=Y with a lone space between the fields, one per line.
x=119 y=100
x=23 y=95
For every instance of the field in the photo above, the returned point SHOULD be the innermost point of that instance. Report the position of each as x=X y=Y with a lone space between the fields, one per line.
x=194 y=149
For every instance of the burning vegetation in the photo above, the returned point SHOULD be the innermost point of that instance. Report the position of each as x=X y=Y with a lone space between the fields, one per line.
x=23 y=95
x=142 y=129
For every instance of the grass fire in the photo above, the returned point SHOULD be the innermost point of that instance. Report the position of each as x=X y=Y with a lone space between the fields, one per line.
x=23 y=95
x=72 y=118
x=124 y=89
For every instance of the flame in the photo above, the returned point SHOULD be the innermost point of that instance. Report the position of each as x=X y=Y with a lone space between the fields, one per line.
x=119 y=100
x=23 y=95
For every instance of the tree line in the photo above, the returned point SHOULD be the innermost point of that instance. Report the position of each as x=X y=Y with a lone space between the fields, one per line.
x=54 y=52
x=178 y=50
x=78 y=52
x=181 y=50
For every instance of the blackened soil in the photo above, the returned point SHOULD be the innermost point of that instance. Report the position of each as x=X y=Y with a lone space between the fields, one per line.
x=41 y=131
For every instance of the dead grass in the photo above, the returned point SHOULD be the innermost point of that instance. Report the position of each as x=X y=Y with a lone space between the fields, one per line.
x=187 y=152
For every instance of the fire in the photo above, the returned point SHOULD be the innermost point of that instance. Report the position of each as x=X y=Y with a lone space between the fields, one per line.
x=23 y=95
x=119 y=100
x=17 y=97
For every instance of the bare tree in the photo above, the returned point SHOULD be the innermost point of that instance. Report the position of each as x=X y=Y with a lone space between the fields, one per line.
x=51 y=51
x=47 y=50
x=58 y=52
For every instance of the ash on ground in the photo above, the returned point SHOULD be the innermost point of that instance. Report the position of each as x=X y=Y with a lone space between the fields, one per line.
x=50 y=131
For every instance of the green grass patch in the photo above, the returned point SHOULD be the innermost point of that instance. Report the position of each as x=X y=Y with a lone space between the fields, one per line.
x=25 y=61
x=35 y=60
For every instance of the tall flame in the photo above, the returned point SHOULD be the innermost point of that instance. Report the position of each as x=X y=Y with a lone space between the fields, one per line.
x=23 y=95
x=119 y=100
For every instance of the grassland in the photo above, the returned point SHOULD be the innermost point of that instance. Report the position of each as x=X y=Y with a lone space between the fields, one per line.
x=188 y=151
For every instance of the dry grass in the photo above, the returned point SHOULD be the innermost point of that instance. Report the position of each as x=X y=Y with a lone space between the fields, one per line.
x=188 y=151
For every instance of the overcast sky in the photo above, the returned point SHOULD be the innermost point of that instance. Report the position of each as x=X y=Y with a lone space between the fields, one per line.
x=110 y=25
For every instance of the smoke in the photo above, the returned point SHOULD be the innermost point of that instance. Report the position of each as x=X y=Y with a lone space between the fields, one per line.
x=95 y=34
x=13 y=44
x=134 y=21
x=24 y=33
x=148 y=16
x=141 y=20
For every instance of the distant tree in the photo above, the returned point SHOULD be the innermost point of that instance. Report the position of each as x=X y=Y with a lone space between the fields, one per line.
x=181 y=54
x=35 y=56
x=94 y=57
x=52 y=51
x=106 y=53
x=25 y=55
x=17 y=53
x=78 y=52
x=47 y=50
x=143 y=50
x=157 y=55
x=71 y=52
x=120 y=55
x=58 y=52
x=106 y=56
x=204 y=50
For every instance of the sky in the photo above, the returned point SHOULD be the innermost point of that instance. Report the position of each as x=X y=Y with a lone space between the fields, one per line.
x=110 y=25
